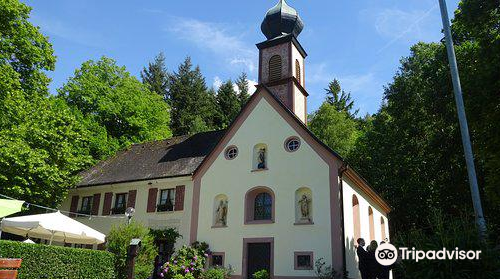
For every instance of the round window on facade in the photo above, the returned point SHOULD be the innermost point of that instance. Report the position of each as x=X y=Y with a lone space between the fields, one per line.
x=292 y=144
x=231 y=152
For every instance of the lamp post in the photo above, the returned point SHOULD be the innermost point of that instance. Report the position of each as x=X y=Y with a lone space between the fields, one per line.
x=464 y=129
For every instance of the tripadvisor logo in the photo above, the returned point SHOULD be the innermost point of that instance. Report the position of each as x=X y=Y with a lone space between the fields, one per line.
x=386 y=254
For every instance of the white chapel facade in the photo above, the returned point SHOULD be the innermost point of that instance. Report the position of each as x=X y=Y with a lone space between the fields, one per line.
x=264 y=193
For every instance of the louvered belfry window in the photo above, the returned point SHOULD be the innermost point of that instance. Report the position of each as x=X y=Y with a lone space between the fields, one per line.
x=275 y=68
x=297 y=70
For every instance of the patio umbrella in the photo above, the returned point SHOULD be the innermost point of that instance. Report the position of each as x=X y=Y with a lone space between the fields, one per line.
x=54 y=227
x=8 y=207
x=29 y=241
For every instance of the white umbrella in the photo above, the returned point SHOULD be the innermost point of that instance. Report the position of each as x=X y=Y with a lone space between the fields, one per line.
x=53 y=226
x=29 y=241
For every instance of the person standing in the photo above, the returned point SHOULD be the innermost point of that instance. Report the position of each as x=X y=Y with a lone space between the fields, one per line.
x=363 y=259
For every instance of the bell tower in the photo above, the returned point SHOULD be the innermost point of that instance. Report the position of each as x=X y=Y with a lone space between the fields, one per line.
x=281 y=58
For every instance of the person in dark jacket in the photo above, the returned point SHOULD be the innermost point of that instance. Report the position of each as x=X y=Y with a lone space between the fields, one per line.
x=363 y=259
x=374 y=268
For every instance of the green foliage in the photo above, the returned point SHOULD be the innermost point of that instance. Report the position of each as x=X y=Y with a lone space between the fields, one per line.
x=118 y=241
x=52 y=262
x=155 y=76
x=24 y=49
x=228 y=104
x=323 y=271
x=243 y=89
x=441 y=231
x=335 y=128
x=186 y=263
x=261 y=274
x=170 y=235
x=202 y=247
x=108 y=96
x=216 y=273
x=340 y=99
x=193 y=105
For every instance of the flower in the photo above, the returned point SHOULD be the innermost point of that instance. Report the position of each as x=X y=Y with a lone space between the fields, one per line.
x=161 y=275
x=192 y=263
x=195 y=258
x=175 y=262
x=167 y=263
x=187 y=270
x=183 y=267
x=206 y=255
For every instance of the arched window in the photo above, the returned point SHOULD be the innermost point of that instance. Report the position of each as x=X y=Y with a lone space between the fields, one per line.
x=355 y=218
x=382 y=227
x=263 y=207
x=297 y=71
x=370 y=219
x=275 y=68
x=259 y=206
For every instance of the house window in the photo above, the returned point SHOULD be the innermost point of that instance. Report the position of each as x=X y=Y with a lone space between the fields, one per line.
x=292 y=144
x=120 y=203
x=303 y=260
x=275 y=68
x=231 y=152
x=263 y=207
x=356 y=217
x=216 y=259
x=370 y=223
x=167 y=200
x=86 y=205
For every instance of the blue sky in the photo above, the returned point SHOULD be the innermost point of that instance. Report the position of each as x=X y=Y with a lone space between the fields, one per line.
x=358 y=42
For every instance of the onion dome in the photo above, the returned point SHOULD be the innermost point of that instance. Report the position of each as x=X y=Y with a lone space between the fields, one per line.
x=281 y=20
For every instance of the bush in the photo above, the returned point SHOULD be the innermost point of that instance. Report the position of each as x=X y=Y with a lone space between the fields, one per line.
x=187 y=263
x=262 y=274
x=323 y=271
x=54 y=262
x=448 y=232
x=216 y=273
x=118 y=241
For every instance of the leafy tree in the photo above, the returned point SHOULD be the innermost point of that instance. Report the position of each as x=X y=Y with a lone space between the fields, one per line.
x=117 y=242
x=155 y=76
x=24 y=49
x=108 y=96
x=335 y=128
x=340 y=99
x=43 y=143
x=243 y=89
x=193 y=106
x=228 y=104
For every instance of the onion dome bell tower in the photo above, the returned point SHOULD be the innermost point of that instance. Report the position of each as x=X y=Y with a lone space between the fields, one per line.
x=281 y=58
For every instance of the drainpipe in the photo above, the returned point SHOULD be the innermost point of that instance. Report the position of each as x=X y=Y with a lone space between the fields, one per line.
x=342 y=169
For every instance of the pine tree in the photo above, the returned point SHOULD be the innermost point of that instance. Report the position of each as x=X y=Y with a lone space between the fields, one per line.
x=192 y=104
x=243 y=88
x=340 y=99
x=155 y=76
x=228 y=104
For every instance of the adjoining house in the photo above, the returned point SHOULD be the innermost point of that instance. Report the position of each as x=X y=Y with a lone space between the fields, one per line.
x=264 y=193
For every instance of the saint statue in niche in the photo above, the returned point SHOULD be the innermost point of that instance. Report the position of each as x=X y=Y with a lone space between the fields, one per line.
x=221 y=213
x=304 y=208
x=261 y=159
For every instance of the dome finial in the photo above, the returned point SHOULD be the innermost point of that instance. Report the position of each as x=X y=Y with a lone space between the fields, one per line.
x=281 y=20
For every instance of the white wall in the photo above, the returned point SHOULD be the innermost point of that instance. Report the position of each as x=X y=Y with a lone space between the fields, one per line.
x=350 y=189
x=158 y=220
x=287 y=172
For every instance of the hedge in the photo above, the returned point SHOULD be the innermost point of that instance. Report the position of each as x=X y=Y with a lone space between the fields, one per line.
x=54 y=262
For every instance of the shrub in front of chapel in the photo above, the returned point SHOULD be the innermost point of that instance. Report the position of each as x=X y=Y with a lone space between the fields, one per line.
x=186 y=263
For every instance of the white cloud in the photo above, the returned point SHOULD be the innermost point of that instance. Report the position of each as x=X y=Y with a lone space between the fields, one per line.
x=217 y=83
x=397 y=24
x=217 y=39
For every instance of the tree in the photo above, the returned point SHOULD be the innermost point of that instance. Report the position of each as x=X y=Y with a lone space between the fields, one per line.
x=335 y=128
x=193 y=105
x=118 y=241
x=43 y=143
x=155 y=76
x=340 y=99
x=109 y=97
x=24 y=49
x=228 y=105
x=243 y=88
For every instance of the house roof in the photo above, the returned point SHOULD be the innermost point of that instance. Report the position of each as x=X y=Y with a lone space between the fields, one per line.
x=173 y=157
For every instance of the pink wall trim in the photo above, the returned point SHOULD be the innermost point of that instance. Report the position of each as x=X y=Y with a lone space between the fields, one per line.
x=244 y=257
x=195 y=210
